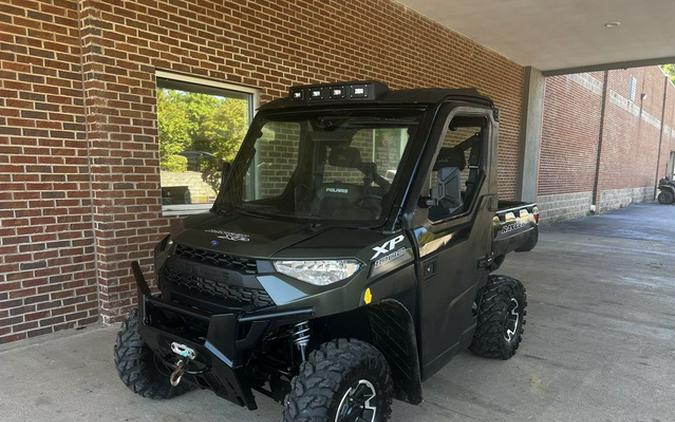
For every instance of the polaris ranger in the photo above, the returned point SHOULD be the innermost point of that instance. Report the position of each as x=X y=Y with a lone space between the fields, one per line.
x=346 y=259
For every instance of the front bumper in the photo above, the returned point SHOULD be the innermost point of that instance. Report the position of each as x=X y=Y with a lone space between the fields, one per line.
x=220 y=340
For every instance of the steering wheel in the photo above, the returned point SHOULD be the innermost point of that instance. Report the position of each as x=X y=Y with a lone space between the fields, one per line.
x=370 y=202
x=369 y=196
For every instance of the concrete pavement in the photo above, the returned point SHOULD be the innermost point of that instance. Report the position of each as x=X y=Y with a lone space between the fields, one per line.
x=599 y=345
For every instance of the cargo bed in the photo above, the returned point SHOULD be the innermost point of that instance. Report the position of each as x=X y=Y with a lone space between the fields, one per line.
x=516 y=228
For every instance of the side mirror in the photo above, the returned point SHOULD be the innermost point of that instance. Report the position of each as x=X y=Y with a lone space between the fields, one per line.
x=416 y=218
x=224 y=172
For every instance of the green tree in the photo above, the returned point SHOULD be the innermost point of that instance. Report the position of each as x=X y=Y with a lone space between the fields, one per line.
x=198 y=122
x=173 y=125
x=670 y=71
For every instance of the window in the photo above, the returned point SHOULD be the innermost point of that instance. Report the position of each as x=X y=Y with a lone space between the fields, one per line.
x=338 y=166
x=276 y=157
x=201 y=124
x=632 y=88
x=458 y=170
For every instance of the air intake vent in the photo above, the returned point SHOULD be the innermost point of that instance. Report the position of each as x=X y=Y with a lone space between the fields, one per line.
x=215 y=292
x=236 y=263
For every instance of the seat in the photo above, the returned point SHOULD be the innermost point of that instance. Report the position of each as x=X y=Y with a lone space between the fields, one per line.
x=337 y=200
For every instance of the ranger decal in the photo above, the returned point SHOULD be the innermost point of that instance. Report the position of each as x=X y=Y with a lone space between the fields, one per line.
x=235 y=237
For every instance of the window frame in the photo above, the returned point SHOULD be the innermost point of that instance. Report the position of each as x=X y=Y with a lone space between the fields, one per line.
x=464 y=111
x=171 y=80
x=632 y=88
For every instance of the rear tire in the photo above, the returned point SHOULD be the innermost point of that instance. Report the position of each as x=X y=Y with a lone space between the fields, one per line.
x=137 y=366
x=500 y=319
x=339 y=381
x=665 y=197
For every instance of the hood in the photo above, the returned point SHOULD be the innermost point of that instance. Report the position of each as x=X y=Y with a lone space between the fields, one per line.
x=257 y=237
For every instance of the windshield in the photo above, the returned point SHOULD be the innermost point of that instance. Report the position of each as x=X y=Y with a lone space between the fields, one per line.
x=328 y=166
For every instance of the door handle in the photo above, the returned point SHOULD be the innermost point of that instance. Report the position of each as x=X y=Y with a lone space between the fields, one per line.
x=429 y=269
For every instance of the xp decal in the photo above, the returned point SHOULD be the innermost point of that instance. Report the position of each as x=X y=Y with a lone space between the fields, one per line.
x=391 y=261
x=387 y=246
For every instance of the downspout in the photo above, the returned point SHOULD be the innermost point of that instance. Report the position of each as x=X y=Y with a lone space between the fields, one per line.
x=601 y=135
x=663 y=116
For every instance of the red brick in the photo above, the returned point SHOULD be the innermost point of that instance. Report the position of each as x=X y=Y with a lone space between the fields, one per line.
x=571 y=133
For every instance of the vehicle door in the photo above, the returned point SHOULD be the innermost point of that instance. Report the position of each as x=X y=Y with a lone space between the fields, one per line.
x=457 y=206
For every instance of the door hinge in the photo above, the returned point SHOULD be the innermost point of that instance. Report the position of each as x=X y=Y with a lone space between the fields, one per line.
x=487 y=262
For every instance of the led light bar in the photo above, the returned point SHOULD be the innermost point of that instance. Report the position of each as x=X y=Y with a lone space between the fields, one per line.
x=357 y=90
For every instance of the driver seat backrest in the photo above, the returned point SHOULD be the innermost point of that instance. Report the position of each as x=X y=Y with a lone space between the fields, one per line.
x=345 y=156
x=337 y=198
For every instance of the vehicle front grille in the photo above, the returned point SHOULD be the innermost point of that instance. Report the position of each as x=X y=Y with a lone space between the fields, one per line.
x=236 y=263
x=214 y=291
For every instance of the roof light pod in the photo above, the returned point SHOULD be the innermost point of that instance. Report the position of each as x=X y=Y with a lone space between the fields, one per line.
x=357 y=90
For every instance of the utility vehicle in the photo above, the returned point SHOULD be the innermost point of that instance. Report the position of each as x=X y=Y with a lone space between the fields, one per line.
x=666 y=191
x=346 y=259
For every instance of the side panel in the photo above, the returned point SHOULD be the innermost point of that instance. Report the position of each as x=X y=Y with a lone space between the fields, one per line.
x=449 y=252
x=449 y=280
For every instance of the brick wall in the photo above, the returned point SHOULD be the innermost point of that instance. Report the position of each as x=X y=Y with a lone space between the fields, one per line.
x=47 y=269
x=630 y=142
x=79 y=163
x=570 y=133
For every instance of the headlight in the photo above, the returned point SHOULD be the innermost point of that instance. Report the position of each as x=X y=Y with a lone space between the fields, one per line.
x=319 y=272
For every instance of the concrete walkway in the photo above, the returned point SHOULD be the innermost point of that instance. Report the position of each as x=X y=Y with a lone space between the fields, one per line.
x=599 y=345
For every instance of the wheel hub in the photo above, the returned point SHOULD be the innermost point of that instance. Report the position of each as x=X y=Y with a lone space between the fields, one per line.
x=356 y=404
x=512 y=320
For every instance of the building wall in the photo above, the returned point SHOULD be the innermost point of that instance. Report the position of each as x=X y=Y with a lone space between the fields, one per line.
x=569 y=146
x=631 y=132
x=80 y=163
x=47 y=247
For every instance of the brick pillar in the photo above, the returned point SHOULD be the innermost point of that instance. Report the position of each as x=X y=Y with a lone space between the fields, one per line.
x=530 y=133
x=123 y=156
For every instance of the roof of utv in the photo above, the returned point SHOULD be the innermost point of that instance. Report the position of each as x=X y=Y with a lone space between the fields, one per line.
x=371 y=92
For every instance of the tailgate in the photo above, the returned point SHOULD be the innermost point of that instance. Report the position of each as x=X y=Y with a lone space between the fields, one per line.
x=516 y=228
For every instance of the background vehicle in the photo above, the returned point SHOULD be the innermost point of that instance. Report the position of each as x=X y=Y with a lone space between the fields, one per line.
x=346 y=259
x=666 y=191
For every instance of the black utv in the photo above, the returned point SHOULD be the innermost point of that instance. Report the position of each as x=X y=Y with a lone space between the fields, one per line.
x=347 y=258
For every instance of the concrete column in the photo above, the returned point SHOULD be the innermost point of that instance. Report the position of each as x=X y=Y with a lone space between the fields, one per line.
x=530 y=133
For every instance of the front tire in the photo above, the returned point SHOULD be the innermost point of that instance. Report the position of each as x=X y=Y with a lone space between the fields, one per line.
x=666 y=197
x=500 y=319
x=345 y=380
x=137 y=366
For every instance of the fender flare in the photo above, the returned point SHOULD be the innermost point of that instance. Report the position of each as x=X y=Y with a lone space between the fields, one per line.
x=392 y=331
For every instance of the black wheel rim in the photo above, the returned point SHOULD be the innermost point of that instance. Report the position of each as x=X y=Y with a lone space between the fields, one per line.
x=357 y=404
x=512 y=321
